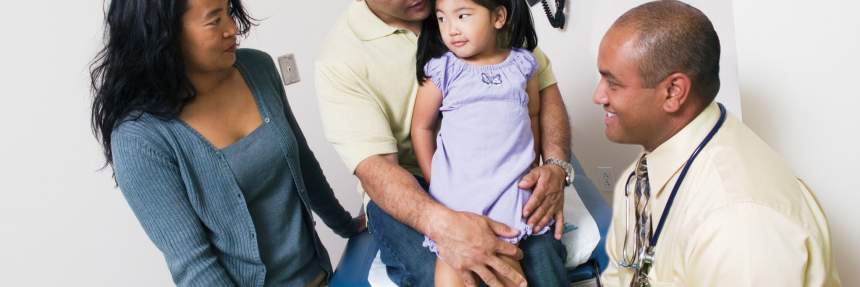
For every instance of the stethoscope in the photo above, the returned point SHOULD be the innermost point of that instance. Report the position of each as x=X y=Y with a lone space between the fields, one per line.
x=643 y=258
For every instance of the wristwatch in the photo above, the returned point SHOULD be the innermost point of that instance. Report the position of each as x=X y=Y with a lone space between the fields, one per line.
x=566 y=166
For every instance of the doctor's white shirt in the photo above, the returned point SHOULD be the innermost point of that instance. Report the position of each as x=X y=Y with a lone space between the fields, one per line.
x=740 y=218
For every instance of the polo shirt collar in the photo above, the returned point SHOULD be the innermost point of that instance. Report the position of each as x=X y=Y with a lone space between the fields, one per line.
x=366 y=25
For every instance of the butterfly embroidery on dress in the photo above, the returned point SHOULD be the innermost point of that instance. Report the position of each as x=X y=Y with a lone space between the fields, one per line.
x=491 y=80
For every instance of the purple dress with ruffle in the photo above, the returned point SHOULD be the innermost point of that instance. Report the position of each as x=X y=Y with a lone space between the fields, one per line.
x=485 y=144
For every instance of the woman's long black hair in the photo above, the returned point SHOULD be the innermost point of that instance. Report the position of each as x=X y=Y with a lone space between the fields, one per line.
x=141 y=68
x=518 y=32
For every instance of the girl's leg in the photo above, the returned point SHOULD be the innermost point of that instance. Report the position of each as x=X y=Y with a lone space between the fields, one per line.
x=446 y=276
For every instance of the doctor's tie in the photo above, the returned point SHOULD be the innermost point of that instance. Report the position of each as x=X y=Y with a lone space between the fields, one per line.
x=642 y=229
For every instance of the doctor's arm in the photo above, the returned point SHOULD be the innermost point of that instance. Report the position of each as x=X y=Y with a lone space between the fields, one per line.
x=746 y=245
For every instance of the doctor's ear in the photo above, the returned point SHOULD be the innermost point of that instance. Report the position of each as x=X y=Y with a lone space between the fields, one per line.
x=676 y=90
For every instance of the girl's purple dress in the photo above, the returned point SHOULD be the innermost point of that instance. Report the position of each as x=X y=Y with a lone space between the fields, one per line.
x=485 y=144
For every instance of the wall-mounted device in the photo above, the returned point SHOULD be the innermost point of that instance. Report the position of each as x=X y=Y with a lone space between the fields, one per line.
x=556 y=19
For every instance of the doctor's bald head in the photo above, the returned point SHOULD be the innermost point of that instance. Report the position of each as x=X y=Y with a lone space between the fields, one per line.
x=659 y=65
x=674 y=37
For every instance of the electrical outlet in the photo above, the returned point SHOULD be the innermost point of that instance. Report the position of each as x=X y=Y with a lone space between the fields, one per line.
x=604 y=178
x=289 y=71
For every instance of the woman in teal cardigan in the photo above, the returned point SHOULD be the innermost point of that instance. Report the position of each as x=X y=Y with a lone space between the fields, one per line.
x=206 y=150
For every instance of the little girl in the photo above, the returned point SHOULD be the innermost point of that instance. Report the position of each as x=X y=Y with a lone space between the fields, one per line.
x=476 y=72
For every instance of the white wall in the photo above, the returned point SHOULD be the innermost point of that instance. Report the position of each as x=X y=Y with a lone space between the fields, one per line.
x=61 y=221
x=63 y=224
x=798 y=64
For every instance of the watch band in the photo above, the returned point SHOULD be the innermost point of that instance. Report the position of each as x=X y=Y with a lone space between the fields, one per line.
x=564 y=165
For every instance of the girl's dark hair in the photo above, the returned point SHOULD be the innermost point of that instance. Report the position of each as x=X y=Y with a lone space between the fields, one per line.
x=518 y=32
x=141 y=68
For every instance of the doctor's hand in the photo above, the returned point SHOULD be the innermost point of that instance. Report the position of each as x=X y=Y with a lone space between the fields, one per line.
x=547 y=200
x=469 y=243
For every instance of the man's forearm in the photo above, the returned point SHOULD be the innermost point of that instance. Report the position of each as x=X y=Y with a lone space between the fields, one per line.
x=397 y=192
x=555 y=127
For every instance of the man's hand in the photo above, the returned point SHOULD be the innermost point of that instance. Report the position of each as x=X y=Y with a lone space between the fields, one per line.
x=469 y=243
x=547 y=200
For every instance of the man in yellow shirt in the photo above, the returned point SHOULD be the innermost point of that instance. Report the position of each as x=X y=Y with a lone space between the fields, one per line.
x=708 y=203
x=365 y=79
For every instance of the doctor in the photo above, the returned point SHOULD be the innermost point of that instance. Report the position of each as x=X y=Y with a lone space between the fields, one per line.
x=707 y=203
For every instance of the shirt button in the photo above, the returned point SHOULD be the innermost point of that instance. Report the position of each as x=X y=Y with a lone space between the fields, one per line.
x=267 y=120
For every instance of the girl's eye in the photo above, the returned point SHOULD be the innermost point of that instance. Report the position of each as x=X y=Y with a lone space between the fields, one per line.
x=464 y=16
x=440 y=19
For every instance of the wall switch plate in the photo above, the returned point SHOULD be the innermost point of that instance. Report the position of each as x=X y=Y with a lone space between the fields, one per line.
x=604 y=178
x=289 y=71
